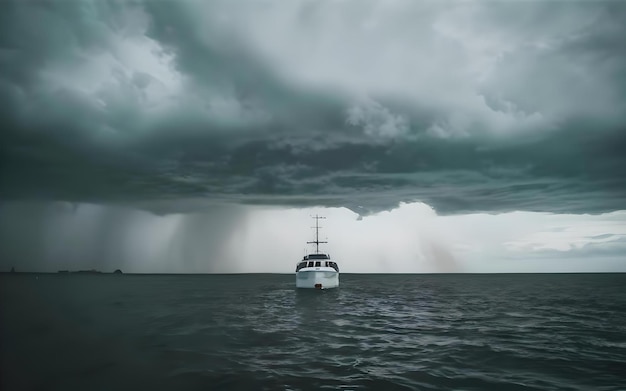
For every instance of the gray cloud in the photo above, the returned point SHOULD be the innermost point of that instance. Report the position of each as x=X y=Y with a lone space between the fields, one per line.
x=175 y=105
x=593 y=254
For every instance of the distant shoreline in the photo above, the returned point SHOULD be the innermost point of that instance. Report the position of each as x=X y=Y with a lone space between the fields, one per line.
x=117 y=271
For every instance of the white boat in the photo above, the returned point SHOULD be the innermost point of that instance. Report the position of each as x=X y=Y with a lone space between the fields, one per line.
x=317 y=270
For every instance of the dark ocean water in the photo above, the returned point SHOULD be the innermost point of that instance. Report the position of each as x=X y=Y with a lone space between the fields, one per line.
x=254 y=332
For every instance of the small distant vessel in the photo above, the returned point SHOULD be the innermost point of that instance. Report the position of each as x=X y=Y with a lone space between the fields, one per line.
x=317 y=270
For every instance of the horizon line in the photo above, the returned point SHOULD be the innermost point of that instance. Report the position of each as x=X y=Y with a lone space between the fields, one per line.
x=293 y=273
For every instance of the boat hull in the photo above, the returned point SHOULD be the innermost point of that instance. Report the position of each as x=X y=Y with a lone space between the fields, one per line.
x=317 y=279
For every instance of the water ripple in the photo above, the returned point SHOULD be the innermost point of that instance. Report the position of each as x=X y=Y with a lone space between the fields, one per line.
x=541 y=332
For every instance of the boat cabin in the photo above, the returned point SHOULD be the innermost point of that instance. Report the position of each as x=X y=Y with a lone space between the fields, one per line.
x=317 y=260
x=316 y=256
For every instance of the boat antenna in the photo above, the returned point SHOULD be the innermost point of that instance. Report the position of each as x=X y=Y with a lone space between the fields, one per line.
x=317 y=233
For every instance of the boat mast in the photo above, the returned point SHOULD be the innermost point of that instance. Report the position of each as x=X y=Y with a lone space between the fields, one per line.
x=317 y=233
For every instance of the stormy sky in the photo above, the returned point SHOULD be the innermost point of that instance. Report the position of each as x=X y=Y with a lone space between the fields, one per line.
x=441 y=136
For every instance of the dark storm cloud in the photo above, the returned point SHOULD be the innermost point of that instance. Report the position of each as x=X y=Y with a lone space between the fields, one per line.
x=171 y=105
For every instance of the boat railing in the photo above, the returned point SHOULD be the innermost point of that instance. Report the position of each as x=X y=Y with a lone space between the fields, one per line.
x=304 y=264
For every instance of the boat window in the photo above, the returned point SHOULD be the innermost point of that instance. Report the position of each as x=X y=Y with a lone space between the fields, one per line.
x=311 y=264
x=300 y=265
x=318 y=264
x=326 y=264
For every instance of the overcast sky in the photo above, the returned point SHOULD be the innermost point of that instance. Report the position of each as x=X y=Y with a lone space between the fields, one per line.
x=446 y=136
